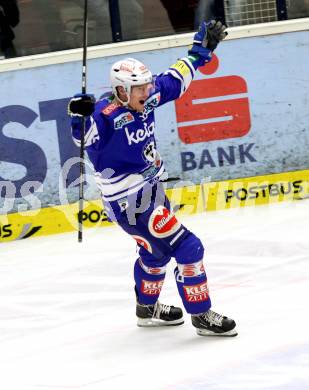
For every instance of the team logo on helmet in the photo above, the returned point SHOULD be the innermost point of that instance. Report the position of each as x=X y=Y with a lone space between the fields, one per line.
x=163 y=223
x=127 y=67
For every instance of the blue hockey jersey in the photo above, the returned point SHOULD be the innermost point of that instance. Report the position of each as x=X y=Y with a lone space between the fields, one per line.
x=120 y=142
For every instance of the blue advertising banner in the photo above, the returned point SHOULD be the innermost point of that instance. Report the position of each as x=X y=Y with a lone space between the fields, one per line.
x=245 y=114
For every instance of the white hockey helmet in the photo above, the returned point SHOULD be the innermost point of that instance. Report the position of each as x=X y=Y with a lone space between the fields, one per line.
x=127 y=73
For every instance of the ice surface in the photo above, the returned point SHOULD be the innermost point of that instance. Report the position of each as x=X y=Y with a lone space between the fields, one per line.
x=67 y=310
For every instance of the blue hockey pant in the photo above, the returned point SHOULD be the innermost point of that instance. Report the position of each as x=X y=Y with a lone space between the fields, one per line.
x=160 y=236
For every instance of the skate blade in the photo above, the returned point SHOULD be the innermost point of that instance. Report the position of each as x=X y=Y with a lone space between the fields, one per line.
x=155 y=322
x=205 y=332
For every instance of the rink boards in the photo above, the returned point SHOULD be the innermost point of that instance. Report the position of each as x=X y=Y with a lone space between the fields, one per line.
x=236 y=121
x=204 y=197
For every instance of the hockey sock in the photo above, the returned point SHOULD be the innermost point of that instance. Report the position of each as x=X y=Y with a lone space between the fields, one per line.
x=148 y=282
x=192 y=287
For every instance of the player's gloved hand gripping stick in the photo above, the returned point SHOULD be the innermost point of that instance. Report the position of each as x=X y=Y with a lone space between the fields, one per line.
x=79 y=107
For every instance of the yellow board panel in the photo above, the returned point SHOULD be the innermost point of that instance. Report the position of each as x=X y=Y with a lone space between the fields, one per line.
x=187 y=200
x=213 y=196
x=50 y=220
x=259 y=190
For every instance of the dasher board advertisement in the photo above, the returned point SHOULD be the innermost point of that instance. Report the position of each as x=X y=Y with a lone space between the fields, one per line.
x=244 y=115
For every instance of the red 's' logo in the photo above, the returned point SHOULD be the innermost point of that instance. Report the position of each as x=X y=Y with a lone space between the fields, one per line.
x=214 y=108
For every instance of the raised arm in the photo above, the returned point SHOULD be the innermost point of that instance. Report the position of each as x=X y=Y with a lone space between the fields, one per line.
x=176 y=80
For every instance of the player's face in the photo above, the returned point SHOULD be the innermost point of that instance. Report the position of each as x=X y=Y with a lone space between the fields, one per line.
x=138 y=96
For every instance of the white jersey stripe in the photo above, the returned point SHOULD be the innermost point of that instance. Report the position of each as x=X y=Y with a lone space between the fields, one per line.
x=129 y=185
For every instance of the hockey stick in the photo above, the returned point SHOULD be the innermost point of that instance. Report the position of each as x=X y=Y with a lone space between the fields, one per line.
x=82 y=141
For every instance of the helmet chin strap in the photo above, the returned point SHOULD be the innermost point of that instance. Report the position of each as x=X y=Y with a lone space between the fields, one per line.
x=124 y=103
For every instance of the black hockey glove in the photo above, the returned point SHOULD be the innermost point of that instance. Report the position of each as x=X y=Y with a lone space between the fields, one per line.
x=215 y=33
x=205 y=41
x=81 y=105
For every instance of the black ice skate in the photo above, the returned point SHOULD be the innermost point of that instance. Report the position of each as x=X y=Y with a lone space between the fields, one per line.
x=158 y=315
x=211 y=323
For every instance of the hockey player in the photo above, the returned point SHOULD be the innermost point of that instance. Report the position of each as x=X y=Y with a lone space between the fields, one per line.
x=121 y=145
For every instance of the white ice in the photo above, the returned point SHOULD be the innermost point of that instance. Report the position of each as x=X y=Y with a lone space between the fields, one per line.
x=67 y=310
